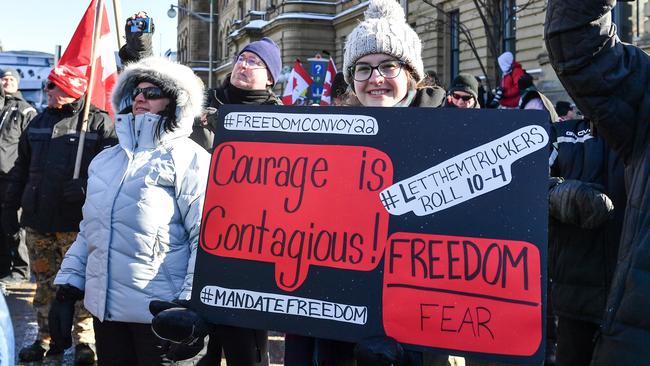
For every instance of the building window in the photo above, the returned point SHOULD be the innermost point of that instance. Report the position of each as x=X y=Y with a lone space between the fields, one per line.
x=182 y=47
x=224 y=41
x=186 y=50
x=256 y=4
x=242 y=11
x=454 y=43
x=219 y=50
x=509 y=26
x=622 y=17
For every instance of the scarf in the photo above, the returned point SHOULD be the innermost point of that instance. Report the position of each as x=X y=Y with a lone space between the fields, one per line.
x=236 y=95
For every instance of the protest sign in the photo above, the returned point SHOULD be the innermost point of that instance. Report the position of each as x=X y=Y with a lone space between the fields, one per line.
x=426 y=225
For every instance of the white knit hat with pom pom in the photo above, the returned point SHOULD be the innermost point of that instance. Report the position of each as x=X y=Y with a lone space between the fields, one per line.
x=384 y=30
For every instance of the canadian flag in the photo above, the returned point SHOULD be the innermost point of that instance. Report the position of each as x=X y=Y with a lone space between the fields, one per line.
x=298 y=82
x=78 y=55
x=326 y=98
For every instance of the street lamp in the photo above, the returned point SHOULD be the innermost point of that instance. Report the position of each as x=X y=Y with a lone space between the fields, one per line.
x=172 y=14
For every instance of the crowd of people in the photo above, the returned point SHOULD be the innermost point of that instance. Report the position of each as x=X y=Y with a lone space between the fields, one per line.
x=112 y=252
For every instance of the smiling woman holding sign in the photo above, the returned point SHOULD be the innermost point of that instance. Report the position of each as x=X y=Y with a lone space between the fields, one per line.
x=140 y=226
x=383 y=61
x=383 y=66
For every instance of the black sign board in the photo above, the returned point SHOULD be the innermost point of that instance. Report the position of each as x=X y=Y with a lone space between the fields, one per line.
x=427 y=225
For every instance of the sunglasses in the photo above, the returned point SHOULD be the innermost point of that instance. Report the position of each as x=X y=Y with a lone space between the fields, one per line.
x=151 y=92
x=465 y=98
x=50 y=85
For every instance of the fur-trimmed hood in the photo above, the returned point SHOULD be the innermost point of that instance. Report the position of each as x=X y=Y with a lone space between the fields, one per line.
x=170 y=76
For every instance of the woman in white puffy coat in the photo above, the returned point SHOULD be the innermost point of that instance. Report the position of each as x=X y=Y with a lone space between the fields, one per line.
x=140 y=228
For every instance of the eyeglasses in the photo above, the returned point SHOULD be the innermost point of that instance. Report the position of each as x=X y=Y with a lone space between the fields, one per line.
x=152 y=92
x=465 y=98
x=50 y=85
x=251 y=62
x=389 y=69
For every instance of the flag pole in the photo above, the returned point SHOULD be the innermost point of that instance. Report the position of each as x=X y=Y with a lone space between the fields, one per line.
x=86 y=112
x=117 y=12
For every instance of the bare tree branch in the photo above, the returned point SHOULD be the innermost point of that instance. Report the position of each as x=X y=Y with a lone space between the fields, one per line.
x=493 y=16
x=467 y=34
x=529 y=4
x=490 y=12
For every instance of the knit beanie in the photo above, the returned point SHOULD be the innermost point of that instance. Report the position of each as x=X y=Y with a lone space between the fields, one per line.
x=562 y=107
x=384 y=30
x=10 y=71
x=525 y=82
x=269 y=52
x=70 y=79
x=466 y=83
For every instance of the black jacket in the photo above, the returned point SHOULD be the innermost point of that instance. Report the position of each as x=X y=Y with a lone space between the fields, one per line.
x=582 y=260
x=429 y=97
x=15 y=115
x=46 y=158
x=610 y=83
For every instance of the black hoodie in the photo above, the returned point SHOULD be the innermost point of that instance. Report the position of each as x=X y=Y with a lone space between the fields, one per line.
x=45 y=162
x=609 y=81
x=15 y=115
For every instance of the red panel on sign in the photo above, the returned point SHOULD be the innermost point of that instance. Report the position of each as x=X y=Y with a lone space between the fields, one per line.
x=297 y=205
x=469 y=294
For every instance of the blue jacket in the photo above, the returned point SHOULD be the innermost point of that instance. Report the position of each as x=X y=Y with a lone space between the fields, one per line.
x=7 y=357
x=140 y=230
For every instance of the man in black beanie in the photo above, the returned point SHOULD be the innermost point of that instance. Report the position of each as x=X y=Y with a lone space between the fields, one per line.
x=463 y=92
x=256 y=69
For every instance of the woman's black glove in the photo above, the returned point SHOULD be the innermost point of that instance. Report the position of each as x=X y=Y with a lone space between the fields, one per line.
x=61 y=316
x=379 y=351
x=577 y=203
x=180 y=329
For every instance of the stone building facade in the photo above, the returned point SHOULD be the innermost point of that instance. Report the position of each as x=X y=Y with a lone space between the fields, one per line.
x=448 y=28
